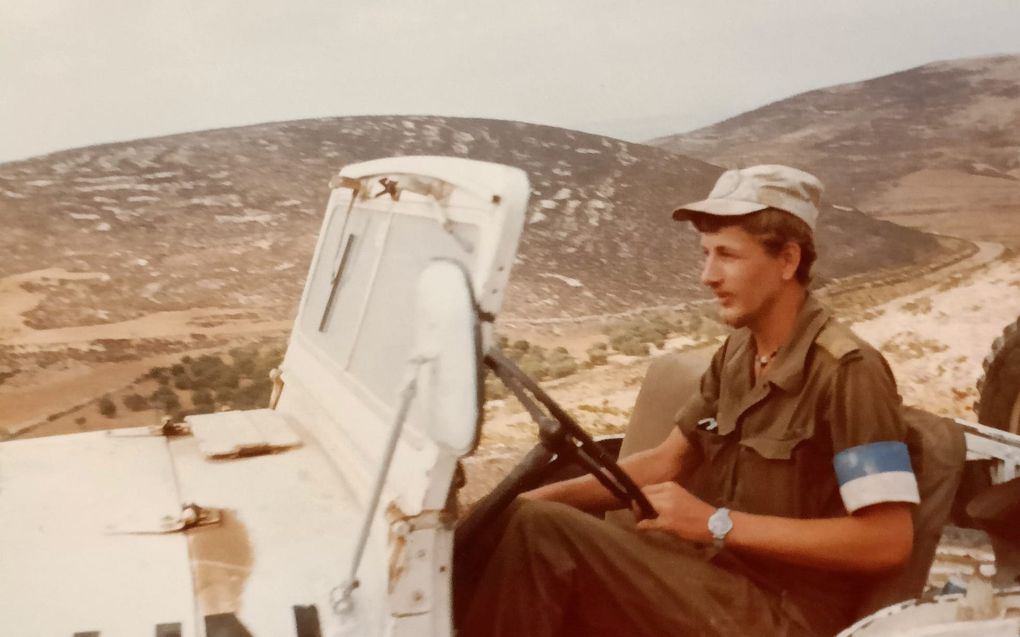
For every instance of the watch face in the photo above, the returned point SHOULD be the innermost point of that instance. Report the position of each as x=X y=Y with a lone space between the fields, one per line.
x=720 y=523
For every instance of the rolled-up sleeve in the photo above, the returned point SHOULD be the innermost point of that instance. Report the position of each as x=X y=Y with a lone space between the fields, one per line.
x=871 y=461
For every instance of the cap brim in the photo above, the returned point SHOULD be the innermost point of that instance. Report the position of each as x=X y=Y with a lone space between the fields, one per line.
x=718 y=207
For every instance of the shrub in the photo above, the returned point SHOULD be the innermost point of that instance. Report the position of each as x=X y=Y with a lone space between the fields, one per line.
x=207 y=366
x=107 y=407
x=561 y=363
x=202 y=396
x=534 y=366
x=562 y=367
x=245 y=366
x=244 y=351
x=136 y=402
x=271 y=358
x=254 y=395
x=632 y=347
x=225 y=395
x=165 y=398
x=229 y=378
x=654 y=330
x=494 y=388
x=598 y=354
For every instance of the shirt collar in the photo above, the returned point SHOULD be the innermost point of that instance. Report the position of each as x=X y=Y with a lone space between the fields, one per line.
x=787 y=368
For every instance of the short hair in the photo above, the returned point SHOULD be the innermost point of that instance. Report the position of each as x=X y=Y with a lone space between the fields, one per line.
x=773 y=229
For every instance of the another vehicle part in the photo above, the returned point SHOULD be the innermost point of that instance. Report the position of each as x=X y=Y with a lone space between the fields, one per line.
x=999 y=387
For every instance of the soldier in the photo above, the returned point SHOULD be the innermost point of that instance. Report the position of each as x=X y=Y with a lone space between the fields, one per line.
x=783 y=492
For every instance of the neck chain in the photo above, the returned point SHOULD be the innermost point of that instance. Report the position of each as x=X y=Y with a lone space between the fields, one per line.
x=764 y=359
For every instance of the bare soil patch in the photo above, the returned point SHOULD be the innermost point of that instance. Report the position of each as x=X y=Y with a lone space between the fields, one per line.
x=953 y=202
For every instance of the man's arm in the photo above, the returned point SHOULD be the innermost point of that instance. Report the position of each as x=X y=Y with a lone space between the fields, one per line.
x=659 y=464
x=663 y=463
x=875 y=538
x=872 y=469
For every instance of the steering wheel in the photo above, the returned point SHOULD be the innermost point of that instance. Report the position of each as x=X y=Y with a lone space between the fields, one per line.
x=560 y=438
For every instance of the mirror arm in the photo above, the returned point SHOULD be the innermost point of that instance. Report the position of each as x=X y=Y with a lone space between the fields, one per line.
x=341 y=595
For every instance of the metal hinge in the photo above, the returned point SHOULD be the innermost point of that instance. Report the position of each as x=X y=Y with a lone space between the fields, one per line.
x=190 y=517
x=165 y=429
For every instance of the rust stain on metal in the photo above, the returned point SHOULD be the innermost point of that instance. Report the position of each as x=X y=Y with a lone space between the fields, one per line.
x=398 y=541
x=221 y=560
x=401 y=525
x=396 y=561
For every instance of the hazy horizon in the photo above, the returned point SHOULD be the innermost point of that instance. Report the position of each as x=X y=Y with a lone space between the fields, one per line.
x=78 y=75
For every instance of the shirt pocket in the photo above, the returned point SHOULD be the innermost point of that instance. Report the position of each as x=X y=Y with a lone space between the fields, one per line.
x=774 y=448
x=774 y=474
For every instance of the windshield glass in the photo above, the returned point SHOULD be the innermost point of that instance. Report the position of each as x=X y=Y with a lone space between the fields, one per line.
x=362 y=292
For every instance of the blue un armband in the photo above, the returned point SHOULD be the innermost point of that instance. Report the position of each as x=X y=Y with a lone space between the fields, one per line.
x=874 y=473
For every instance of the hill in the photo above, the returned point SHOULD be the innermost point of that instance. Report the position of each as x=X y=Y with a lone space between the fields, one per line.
x=935 y=147
x=227 y=219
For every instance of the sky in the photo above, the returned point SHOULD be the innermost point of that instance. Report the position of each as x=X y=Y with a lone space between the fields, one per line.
x=80 y=72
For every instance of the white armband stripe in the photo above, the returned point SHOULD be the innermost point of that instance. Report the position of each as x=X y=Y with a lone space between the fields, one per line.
x=888 y=486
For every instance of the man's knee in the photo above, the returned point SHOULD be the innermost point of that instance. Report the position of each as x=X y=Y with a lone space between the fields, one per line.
x=537 y=517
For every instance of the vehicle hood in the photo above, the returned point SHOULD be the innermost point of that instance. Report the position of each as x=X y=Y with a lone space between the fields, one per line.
x=85 y=528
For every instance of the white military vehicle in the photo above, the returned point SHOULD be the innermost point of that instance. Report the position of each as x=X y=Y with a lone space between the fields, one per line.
x=332 y=512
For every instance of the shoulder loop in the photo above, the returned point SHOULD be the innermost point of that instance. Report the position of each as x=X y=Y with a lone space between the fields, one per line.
x=837 y=339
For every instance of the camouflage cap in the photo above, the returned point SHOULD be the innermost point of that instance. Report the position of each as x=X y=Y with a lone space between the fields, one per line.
x=746 y=190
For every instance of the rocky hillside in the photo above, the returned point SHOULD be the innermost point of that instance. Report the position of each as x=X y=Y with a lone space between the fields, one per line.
x=227 y=218
x=937 y=146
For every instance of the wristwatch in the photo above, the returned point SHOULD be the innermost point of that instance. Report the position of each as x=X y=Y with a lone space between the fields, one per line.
x=719 y=524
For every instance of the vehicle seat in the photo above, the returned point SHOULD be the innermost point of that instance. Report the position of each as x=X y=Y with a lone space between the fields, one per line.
x=670 y=380
x=937 y=450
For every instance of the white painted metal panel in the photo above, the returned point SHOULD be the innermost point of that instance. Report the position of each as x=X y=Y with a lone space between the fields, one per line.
x=939 y=617
x=354 y=320
x=352 y=340
x=61 y=570
x=232 y=433
x=297 y=521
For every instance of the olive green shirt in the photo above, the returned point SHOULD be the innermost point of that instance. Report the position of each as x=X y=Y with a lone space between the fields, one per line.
x=767 y=446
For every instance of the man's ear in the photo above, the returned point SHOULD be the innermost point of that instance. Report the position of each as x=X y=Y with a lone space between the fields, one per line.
x=790 y=257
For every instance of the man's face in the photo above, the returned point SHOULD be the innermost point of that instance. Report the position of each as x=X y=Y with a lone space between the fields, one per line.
x=743 y=276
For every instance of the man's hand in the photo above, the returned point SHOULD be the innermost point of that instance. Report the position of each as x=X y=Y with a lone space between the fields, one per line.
x=874 y=539
x=679 y=512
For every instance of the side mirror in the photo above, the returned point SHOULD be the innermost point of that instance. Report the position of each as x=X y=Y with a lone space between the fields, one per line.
x=447 y=335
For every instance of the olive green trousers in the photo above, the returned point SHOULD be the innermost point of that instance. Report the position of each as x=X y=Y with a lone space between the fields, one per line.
x=549 y=569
